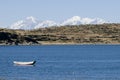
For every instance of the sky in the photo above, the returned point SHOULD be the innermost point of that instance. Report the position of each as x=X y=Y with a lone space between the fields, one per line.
x=58 y=10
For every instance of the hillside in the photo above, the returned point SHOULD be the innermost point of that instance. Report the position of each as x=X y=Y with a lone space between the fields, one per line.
x=82 y=34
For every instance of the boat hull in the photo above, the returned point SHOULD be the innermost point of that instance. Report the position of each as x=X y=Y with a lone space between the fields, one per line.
x=24 y=63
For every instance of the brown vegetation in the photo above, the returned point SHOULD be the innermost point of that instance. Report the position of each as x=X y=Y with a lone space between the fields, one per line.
x=82 y=34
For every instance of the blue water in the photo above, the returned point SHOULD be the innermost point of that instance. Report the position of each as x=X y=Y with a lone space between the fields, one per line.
x=65 y=62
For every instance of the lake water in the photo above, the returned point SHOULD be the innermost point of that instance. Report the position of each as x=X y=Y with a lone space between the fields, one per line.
x=61 y=62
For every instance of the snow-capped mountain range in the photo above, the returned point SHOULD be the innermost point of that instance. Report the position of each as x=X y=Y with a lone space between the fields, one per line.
x=32 y=23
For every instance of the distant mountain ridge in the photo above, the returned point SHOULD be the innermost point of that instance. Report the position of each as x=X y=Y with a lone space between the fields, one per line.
x=32 y=23
x=76 y=20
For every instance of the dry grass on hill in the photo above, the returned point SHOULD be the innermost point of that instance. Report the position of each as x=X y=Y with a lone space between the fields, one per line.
x=82 y=34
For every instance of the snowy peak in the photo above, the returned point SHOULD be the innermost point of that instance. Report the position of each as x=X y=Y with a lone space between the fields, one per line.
x=28 y=23
x=32 y=19
x=33 y=23
x=72 y=21
x=46 y=23
x=76 y=20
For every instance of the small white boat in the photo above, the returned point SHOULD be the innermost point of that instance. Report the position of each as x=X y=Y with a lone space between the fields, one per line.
x=24 y=63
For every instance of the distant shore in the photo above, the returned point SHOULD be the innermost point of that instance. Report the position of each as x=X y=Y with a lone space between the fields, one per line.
x=71 y=43
x=57 y=44
x=64 y=35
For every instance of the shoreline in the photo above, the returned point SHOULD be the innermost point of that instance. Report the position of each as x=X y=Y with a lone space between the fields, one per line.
x=42 y=44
